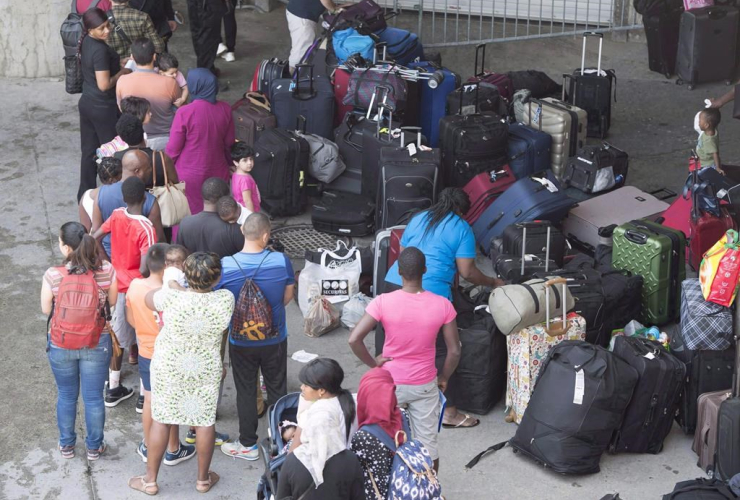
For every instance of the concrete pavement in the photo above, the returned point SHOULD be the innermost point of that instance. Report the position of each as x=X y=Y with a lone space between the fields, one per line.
x=39 y=133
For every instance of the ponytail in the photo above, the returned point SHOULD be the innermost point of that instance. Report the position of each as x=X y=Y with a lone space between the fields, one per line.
x=347 y=402
x=84 y=255
x=450 y=201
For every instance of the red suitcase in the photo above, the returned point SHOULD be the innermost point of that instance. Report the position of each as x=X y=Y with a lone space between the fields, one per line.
x=500 y=80
x=701 y=231
x=341 y=81
x=484 y=188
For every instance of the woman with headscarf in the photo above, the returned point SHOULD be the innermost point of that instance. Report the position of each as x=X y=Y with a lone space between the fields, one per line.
x=201 y=137
x=376 y=405
x=320 y=466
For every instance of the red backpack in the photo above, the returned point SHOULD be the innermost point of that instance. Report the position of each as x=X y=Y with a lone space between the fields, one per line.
x=252 y=319
x=78 y=317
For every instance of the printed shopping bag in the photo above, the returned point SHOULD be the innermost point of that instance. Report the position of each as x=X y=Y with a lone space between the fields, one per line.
x=720 y=270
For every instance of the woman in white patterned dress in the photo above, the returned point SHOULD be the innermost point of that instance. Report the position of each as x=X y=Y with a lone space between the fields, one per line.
x=186 y=367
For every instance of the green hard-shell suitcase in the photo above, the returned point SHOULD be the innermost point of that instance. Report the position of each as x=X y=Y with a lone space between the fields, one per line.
x=658 y=254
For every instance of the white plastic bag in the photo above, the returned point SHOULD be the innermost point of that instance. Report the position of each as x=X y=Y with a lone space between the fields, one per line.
x=354 y=310
x=322 y=317
x=336 y=278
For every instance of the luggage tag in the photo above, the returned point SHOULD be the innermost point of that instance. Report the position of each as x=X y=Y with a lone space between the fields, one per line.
x=412 y=149
x=547 y=183
x=580 y=387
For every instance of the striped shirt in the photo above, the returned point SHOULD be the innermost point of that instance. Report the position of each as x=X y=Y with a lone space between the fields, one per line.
x=131 y=237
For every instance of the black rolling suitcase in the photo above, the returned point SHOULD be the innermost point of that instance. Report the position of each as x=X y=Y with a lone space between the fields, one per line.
x=706 y=371
x=479 y=381
x=707 y=44
x=591 y=90
x=489 y=100
x=661 y=31
x=351 y=137
x=309 y=95
x=343 y=214
x=472 y=144
x=281 y=162
x=407 y=182
x=727 y=461
x=649 y=416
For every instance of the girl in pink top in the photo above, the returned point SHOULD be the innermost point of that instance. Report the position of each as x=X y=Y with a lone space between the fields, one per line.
x=243 y=187
x=201 y=137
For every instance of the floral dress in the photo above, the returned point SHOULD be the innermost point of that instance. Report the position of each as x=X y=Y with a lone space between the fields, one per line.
x=186 y=366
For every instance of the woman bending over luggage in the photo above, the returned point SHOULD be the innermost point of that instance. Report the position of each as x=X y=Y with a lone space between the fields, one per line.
x=81 y=359
x=321 y=466
x=447 y=241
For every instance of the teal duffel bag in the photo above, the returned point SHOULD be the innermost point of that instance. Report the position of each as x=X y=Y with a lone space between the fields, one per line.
x=348 y=42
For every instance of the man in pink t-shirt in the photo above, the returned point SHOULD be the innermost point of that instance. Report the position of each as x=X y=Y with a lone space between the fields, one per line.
x=412 y=318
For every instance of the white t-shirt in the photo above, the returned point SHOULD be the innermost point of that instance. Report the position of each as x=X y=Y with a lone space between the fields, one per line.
x=173 y=274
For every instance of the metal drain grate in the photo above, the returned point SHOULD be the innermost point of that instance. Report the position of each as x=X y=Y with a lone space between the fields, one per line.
x=298 y=239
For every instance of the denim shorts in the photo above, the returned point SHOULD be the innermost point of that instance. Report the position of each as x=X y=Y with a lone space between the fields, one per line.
x=145 y=365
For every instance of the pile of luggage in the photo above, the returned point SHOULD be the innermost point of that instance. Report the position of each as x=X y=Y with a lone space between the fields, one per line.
x=695 y=40
x=371 y=128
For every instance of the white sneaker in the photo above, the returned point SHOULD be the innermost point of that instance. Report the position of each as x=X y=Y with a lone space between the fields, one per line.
x=237 y=450
x=221 y=49
x=228 y=57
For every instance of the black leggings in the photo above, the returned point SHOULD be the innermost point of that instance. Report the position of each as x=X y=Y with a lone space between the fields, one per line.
x=97 y=126
x=230 y=27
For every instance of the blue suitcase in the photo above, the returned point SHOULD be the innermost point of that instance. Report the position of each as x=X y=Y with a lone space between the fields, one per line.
x=526 y=200
x=403 y=46
x=309 y=96
x=529 y=150
x=433 y=101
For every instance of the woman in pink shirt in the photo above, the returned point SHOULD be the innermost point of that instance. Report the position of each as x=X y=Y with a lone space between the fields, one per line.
x=412 y=318
x=201 y=137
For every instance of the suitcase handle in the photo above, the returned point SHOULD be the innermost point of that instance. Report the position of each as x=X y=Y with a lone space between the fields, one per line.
x=418 y=136
x=480 y=49
x=566 y=77
x=297 y=89
x=586 y=36
x=736 y=331
x=524 y=226
x=636 y=237
x=560 y=328
x=300 y=124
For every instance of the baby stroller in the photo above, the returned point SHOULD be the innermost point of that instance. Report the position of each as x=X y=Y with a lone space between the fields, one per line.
x=286 y=408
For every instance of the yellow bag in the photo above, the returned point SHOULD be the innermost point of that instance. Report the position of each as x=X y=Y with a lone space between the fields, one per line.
x=720 y=270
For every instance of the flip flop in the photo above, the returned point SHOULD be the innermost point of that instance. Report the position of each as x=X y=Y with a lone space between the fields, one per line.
x=139 y=484
x=205 y=486
x=460 y=425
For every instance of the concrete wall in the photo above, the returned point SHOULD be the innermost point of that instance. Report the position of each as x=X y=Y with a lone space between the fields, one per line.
x=30 y=45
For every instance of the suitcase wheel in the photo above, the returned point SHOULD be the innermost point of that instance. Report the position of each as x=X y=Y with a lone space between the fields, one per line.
x=690 y=87
x=667 y=75
x=728 y=82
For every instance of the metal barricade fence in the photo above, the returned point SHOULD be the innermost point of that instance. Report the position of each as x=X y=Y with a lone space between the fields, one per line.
x=445 y=23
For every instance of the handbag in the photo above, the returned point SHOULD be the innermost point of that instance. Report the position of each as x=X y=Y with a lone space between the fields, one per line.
x=719 y=272
x=72 y=74
x=173 y=204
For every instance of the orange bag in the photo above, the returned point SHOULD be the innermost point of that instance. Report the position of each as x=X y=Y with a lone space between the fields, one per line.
x=720 y=270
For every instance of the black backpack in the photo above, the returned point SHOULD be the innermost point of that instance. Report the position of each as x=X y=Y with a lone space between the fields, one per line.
x=72 y=29
x=700 y=489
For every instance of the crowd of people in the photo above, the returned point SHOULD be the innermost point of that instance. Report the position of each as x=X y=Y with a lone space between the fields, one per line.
x=176 y=296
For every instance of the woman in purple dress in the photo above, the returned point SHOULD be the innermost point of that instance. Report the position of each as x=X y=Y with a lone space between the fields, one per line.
x=201 y=137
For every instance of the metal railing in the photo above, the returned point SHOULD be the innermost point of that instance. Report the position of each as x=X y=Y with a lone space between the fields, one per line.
x=445 y=23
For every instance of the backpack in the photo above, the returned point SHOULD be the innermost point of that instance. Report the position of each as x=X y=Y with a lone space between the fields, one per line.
x=252 y=319
x=412 y=474
x=78 y=317
x=72 y=29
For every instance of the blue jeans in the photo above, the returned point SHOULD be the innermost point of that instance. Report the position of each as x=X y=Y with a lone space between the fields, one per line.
x=90 y=367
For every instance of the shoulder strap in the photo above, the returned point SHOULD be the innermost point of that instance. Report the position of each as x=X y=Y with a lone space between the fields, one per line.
x=480 y=455
x=258 y=267
x=117 y=27
x=378 y=432
x=164 y=168
x=73 y=8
